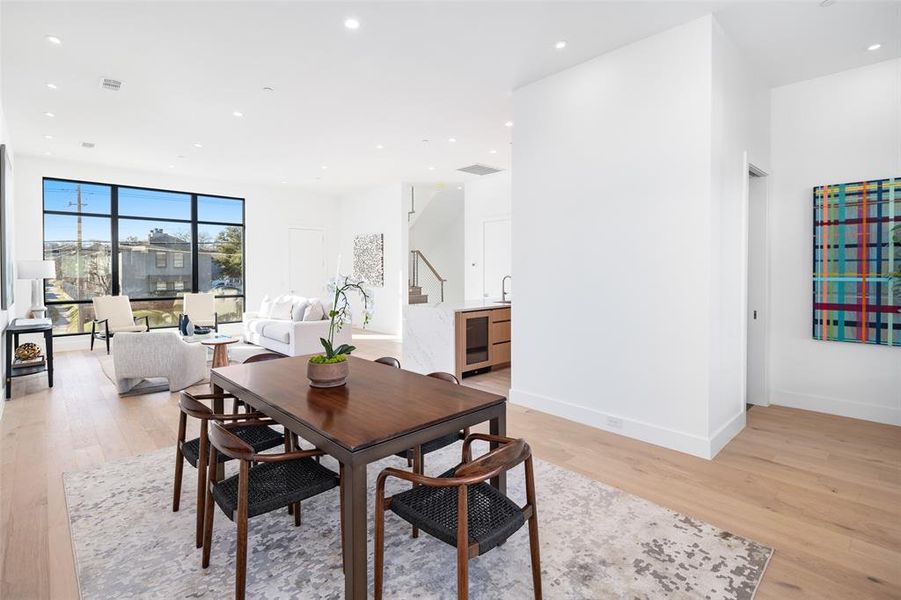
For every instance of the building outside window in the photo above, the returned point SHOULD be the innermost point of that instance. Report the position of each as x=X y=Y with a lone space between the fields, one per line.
x=161 y=251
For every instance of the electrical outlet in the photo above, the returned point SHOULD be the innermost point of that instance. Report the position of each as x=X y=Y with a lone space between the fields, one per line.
x=614 y=423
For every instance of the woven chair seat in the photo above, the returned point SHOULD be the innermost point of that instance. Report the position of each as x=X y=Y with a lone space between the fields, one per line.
x=275 y=485
x=261 y=438
x=436 y=444
x=492 y=516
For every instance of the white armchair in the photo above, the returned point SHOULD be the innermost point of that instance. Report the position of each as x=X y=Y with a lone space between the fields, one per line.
x=114 y=315
x=201 y=310
x=139 y=356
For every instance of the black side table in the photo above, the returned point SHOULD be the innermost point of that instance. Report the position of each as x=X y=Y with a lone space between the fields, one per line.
x=13 y=331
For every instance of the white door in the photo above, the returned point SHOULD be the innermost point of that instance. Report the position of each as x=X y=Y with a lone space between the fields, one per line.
x=757 y=315
x=306 y=262
x=496 y=256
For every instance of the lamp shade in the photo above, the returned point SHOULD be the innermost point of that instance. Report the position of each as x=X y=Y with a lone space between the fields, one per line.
x=36 y=269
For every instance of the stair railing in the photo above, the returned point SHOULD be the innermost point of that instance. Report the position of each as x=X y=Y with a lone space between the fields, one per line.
x=427 y=279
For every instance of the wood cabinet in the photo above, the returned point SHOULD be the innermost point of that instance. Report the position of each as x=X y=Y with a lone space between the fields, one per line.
x=482 y=339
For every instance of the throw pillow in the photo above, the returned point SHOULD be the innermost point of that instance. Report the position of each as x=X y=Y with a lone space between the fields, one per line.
x=314 y=311
x=300 y=307
x=265 y=307
x=281 y=308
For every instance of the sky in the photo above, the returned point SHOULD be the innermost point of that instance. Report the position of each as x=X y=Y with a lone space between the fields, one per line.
x=62 y=196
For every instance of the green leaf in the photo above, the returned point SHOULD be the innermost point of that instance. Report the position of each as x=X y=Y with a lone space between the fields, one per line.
x=329 y=352
x=345 y=349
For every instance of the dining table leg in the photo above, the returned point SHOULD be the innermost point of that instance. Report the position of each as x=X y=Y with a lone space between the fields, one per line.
x=356 y=581
x=498 y=426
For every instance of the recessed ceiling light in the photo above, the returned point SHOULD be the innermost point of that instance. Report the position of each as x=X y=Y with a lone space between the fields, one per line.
x=560 y=45
x=492 y=151
x=284 y=182
x=827 y=3
x=872 y=47
x=198 y=145
x=452 y=140
x=268 y=89
x=51 y=86
x=49 y=114
x=352 y=23
x=508 y=124
x=379 y=147
x=48 y=153
x=237 y=113
x=459 y=187
x=171 y=166
x=48 y=137
x=53 y=40
x=180 y=156
x=324 y=167
x=431 y=168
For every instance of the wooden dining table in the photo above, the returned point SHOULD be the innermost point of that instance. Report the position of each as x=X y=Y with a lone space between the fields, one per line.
x=380 y=411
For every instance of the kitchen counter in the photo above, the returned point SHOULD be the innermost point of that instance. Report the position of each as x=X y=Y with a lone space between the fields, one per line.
x=472 y=305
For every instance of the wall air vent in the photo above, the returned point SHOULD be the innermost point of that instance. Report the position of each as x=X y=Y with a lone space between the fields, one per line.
x=113 y=85
x=87 y=144
x=478 y=169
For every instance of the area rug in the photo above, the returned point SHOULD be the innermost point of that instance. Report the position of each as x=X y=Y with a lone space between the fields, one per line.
x=596 y=542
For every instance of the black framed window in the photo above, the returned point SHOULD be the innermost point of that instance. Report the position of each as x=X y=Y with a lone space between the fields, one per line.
x=150 y=245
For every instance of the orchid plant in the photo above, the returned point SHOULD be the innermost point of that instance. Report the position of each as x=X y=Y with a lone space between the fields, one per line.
x=340 y=315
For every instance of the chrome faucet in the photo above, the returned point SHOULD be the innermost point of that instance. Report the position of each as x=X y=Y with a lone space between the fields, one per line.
x=504 y=288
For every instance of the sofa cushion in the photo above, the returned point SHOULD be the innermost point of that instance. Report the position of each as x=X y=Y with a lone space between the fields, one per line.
x=265 y=307
x=279 y=331
x=314 y=311
x=300 y=307
x=281 y=308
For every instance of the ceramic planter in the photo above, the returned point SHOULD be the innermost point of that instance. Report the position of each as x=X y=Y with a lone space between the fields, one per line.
x=328 y=375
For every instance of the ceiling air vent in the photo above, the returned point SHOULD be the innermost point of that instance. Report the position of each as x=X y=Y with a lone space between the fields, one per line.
x=87 y=144
x=113 y=85
x=478 y=169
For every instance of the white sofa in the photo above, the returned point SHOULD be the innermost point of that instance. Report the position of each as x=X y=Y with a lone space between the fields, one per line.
x=285 y=331
x=139 y=356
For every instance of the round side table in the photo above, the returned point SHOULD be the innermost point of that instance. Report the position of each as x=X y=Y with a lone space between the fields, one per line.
x=220 y=350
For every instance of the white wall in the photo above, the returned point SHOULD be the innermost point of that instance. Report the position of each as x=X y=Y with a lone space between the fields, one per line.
x=839 y=128
x=612 y=238
x=269 y=213
x=740 y=120
x=486 y=198
x=377 y=210
x=438 y=232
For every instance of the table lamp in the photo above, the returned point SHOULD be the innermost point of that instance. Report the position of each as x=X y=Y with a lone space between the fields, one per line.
x=37 y=271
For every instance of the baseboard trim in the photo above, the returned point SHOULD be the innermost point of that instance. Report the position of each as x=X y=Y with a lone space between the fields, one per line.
x=646 y=432
x=837 y=406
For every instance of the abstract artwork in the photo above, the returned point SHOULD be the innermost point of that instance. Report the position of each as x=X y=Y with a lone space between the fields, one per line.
x=369 y=258
x=857 y=262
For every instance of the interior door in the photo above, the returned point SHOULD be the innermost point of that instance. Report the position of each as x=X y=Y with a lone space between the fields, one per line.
x=757 y=314
x=306 y=262
x=496 y=256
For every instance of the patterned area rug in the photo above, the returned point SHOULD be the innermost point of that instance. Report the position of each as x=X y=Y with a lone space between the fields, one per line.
x=596 y=542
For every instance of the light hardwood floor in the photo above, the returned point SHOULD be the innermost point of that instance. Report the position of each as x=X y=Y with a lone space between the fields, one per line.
x=824 y=491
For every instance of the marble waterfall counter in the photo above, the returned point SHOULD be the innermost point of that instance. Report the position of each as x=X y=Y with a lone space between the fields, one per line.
x=429 y=334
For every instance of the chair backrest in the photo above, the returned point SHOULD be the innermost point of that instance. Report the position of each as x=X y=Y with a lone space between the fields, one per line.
x=263 y=357
x=445 y=377
x=200 y=307
x=228 y=443
x=193 y=408
x=389 y=360
x=497 y=461
x=115 y=308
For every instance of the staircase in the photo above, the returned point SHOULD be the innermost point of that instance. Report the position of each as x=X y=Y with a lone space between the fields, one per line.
x=416 y=296
x=423 y=280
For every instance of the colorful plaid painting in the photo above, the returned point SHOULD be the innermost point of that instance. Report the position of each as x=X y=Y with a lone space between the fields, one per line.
x=857 y=262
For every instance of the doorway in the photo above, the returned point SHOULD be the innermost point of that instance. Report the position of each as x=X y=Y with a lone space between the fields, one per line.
x=306 y=261
x=758 y=313
x=496 y=256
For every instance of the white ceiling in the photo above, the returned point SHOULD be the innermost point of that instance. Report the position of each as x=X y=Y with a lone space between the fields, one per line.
x=413 y=71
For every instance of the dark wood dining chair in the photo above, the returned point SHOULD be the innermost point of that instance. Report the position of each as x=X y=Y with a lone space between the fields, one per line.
x=416 y=456
x=276 y=481
x=389 y=360
x=196 y=452
x=462 y=509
